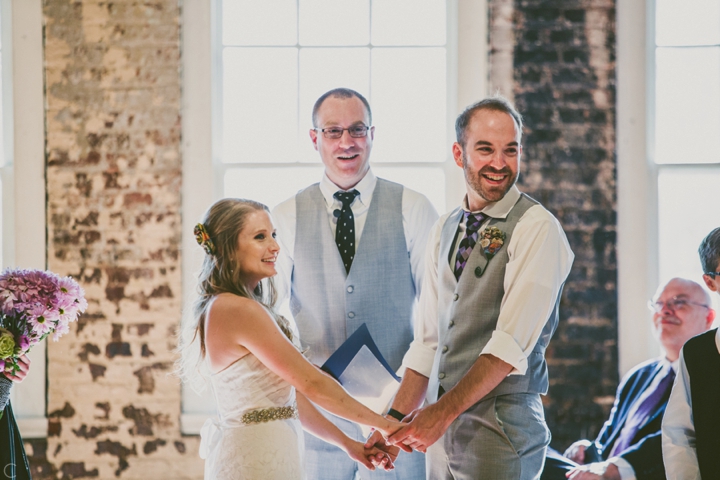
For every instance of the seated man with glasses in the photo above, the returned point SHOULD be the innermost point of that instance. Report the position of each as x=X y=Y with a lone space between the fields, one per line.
x=690 y=441
x=629 y=445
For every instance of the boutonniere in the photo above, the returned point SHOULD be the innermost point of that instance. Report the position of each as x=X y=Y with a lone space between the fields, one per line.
x=491 y=241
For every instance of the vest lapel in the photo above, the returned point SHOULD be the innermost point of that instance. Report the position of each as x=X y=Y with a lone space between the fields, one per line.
x=448 y=239
x=319 y=209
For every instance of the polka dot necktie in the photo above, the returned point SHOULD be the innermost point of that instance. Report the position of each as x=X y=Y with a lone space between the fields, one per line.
x=345 y=233
x=472 y=226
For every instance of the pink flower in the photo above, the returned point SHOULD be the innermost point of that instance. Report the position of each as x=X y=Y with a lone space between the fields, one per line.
x=24 y=343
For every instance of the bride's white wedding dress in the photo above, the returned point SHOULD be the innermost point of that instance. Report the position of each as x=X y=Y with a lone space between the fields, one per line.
x=236 y=450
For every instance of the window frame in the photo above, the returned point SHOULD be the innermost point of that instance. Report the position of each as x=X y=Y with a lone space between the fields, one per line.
x=24 y=242
x=637 y=181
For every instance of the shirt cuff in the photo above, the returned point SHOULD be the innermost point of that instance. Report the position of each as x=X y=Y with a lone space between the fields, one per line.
x=503 y=346
x=626 y=470
x=420 y=358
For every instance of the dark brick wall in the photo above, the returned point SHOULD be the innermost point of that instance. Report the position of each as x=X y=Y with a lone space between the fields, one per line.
x=564 y=84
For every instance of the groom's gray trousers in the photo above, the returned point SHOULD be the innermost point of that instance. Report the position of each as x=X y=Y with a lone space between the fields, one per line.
x=503 y=437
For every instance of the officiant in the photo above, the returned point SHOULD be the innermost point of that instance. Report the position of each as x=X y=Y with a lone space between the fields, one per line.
x=352 y=251
x=495 y=268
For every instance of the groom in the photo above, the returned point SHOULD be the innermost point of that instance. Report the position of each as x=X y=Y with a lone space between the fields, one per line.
x=495 y=268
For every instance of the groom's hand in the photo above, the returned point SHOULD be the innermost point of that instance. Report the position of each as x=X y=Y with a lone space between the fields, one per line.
x=426 y=426
x=378 y=441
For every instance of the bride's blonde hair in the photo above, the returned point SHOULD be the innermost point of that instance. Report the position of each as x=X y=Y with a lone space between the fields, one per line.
x=222 y=224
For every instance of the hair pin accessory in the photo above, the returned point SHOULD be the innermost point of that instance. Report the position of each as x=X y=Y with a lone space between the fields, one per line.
x=203 y=239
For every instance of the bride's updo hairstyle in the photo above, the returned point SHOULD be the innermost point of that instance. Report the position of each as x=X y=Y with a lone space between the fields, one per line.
x=218 y=235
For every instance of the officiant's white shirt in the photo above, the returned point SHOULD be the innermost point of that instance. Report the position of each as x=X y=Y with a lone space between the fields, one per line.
x=539 y=262
x=418 y=216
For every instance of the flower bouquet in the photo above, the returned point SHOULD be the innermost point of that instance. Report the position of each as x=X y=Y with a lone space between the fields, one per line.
x=33 y=305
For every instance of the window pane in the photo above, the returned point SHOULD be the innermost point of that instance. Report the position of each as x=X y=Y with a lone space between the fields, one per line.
x=334 y=22
x=430 y=181
x=259 y=105
x=408 y=22
x=685 y=196
x=249 y=22
x=409 y=100
x=269 y=185
x=2 y=234
x=687 y=22
x=318 y=74
x=687 y=124
x=2 y=120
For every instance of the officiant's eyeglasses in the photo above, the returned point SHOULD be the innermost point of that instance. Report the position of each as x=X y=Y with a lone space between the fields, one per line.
x=713 y=274
x=675 y=304
x=356 y=131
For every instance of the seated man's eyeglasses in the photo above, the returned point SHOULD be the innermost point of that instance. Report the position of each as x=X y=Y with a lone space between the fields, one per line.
x=675 y=304
x=712 y=274
x=355 y=131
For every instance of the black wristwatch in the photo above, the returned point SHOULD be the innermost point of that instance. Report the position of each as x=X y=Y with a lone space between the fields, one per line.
x=396 y=415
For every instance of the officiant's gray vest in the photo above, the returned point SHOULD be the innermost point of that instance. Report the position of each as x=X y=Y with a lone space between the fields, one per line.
x=468 y=311
x=329 y=305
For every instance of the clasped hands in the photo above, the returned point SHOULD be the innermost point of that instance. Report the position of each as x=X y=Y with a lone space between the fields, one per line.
x=418 y=431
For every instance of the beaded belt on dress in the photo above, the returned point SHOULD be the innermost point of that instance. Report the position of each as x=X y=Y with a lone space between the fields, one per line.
x=269 y=414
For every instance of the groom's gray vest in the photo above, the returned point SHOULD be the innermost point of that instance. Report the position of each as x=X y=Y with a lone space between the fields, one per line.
x=329 y=305
x=468 y=311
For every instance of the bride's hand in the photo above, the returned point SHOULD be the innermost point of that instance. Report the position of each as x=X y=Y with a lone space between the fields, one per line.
x=389 y=426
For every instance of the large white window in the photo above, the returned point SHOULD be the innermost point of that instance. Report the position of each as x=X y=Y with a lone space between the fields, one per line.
x=278 y=57
x=247 y=105
x=22 y=175
x=668 y=139
x=687 y=130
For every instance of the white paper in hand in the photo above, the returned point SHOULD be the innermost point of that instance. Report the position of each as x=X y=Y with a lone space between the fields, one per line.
x=367 y=380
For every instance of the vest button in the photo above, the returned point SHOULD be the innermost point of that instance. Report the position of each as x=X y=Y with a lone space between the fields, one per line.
x=351 y=314
x=350 y=289
x=441 y=375
x=455 y=297
x=445 y=348
x=452 y=323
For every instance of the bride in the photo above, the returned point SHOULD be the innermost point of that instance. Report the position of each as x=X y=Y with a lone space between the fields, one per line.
x=262 y=383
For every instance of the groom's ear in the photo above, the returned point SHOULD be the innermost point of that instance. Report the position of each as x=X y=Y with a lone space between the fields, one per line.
x=712 y=283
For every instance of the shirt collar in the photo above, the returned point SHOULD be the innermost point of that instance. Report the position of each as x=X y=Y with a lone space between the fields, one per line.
x=365 y=187
x=668 y=364
x=499 y=209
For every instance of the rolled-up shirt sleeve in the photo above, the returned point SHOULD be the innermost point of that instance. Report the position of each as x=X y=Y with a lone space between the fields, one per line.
x=421 y=353
x=539 y=263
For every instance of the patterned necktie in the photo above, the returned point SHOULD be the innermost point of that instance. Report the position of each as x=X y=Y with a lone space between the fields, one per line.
x=345 y=232
x=643 y=412
x=472 y=225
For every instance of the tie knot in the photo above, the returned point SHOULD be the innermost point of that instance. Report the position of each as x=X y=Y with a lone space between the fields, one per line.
x=473 y=221
x=346 y=198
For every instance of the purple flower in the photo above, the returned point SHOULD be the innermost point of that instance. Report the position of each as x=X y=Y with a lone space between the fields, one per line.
x=36 y=303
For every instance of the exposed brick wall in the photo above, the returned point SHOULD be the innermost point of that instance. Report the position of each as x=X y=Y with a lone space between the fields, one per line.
x=113 y=216
x=564 y=84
